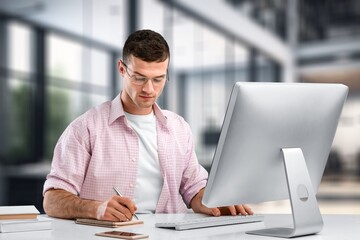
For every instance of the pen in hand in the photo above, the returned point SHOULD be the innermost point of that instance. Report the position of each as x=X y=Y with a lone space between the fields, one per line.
x=119 y=193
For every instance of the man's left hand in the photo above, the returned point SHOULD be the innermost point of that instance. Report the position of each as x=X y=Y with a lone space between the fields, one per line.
x=198 y=207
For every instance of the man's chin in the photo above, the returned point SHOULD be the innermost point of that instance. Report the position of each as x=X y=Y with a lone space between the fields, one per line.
x=144 y=105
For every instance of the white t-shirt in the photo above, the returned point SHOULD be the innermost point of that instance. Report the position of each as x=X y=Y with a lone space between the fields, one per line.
x=149 y=181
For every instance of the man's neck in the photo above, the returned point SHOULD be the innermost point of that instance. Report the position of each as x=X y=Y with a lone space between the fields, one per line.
x=130 y=107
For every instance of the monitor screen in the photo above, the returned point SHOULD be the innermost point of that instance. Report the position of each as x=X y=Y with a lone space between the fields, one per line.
x=262 y=122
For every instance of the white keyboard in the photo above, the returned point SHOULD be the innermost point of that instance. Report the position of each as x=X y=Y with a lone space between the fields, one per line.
x=202 y=221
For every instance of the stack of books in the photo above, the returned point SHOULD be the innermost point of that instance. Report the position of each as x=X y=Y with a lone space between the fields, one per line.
x=22 y=219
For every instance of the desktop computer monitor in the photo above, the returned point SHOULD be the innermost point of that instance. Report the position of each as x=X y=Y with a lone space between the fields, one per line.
x=273 y=145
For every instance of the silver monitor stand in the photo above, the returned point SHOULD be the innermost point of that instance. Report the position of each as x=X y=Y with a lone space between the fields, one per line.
x=305 y=210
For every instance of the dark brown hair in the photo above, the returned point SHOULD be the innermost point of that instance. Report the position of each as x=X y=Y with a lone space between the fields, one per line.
x=147 y=45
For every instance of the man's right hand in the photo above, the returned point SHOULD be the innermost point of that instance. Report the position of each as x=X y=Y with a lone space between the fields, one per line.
x=116 y=208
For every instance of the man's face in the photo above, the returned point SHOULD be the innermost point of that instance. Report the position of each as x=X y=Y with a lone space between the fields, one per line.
x=143 y=83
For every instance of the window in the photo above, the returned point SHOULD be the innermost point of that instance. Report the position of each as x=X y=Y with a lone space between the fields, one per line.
x=78 y=78
x=19 y=98
x=78 y=75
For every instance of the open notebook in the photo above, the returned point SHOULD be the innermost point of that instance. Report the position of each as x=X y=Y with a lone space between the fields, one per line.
x=103 y=223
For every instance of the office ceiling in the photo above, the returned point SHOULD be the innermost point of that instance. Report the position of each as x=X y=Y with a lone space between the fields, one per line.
x=94 y=19
x=340 y=18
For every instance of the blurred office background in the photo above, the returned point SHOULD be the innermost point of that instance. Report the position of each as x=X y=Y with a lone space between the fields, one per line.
x=58 y=59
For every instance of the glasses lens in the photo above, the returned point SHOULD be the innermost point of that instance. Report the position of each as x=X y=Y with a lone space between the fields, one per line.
x=140 y=80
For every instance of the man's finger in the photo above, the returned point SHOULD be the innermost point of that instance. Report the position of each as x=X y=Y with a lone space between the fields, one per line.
x=127 y=202
x=232 y=210
x=214 y=211
x=248 y=209
x=240 y=209
x=119 y=215
x=117 y=206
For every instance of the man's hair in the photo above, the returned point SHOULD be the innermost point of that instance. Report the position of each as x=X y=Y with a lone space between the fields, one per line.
x=146 y=45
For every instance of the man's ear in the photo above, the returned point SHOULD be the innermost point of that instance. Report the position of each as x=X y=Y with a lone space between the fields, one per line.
x=121 y=67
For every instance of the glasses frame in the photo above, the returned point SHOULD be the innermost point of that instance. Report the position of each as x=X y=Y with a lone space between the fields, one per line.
x=167 y=78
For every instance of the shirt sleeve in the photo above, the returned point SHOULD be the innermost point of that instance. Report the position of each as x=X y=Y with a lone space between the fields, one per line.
x=194 y=176
x=71 y=158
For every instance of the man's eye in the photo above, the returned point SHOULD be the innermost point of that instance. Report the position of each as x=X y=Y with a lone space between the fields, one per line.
x=158 y=80
x=140 y=79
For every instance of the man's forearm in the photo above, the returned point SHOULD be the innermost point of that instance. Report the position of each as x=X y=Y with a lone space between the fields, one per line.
x=62 y=204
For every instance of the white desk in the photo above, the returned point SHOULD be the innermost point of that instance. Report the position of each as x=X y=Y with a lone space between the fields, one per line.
x=344 y=227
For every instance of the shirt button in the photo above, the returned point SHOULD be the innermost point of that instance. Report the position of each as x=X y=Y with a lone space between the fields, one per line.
x=131 y=185
x=133 y=159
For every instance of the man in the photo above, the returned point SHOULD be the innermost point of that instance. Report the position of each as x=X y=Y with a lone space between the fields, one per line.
x=131 y=144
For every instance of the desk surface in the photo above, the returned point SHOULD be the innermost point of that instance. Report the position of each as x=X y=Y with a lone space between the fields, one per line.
x=344 y=227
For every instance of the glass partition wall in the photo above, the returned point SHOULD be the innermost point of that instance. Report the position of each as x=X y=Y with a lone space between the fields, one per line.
x=49 y=77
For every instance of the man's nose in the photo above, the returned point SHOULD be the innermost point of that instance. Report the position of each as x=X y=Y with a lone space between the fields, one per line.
x=148 y=86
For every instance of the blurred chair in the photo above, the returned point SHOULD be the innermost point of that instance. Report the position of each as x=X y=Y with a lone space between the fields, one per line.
x=358 y=165
x=334 y=168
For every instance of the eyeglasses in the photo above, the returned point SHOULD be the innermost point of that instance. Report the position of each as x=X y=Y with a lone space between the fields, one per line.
x=141 y=80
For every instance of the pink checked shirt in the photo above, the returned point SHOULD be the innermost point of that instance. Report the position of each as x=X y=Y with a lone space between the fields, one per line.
x=100 y=150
